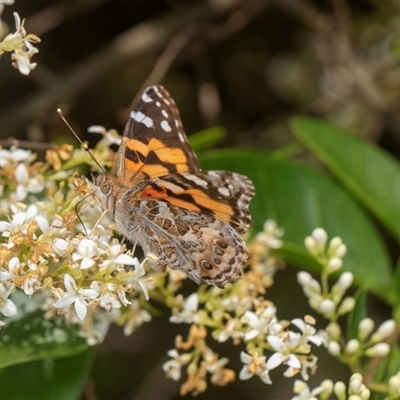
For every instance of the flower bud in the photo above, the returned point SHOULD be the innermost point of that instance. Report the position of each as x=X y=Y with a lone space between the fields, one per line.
x=345 y=280
x=311 y=246
x=365 y=327
x=327 y=307
x=327 y=388
x=378 y=350
x=334 y=244
x=340 y=390
x=320 y=236
x=352 y=346
x=334 y=264
x=334 y=331
x=384 y=330
x=365 y=393
x=355 y=383
x=394 y=384
x=334 y=348
x=304 y=278
x=347 y=305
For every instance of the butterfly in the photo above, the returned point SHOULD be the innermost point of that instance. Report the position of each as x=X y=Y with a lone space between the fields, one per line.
x=159 y=197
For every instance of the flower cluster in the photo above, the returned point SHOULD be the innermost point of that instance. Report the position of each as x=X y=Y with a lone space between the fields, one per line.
x=19 y=43
x=356 y=390
x=49 y=246
x=331 y=303
x=239 y=313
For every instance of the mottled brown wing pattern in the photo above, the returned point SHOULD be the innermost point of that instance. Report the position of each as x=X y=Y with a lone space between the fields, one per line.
x=207 y=249
x=187 y=218
x=154 y=142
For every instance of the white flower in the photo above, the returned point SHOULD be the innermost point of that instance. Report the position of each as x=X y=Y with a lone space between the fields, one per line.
x=87 y=249
x=283 y=346
x=14 y=156
x=254 y=365
x=25 y=183
x=309 y=332
x=265 y=323
x=114 y=256
x=173 y=367
x=270 y=235
x=187 y=315
x=76 y=296
x=7 y=306
x=135 y=277
x=12 y=272
x=303 y=391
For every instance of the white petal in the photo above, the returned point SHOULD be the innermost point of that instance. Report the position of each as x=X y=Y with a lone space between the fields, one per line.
x=274 y=361
x=294 y=361
x=5 y=226
x=42 y=223
x=60 y=245
x=65 y=301
x=251 y=334
x=21 y=173
x=245 y=358
x=125 y=259
x=87 y=248
x=9 y=309
x=70 y=284
x=245 y=374
x=20 y=193
x=89 y=293
x=299 y=323
x=80 y=308
x=86 y=263
x=31 y=211
x=275 y=342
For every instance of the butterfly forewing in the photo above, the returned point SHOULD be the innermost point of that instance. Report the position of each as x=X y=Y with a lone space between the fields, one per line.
x=154 y=142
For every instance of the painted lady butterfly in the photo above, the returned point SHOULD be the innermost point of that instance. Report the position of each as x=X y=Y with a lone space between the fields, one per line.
x=190 y=219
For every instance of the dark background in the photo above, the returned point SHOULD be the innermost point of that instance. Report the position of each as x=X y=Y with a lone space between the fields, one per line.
x=246 y=65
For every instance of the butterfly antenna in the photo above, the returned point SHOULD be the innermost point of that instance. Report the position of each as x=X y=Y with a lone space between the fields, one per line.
x=84 y=145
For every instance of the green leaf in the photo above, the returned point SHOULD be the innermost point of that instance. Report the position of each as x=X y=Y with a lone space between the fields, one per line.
x=34 y=337
x=370 y=174
x=357 y=314
x=48 y=379
x=301 y=199
x=208 y=138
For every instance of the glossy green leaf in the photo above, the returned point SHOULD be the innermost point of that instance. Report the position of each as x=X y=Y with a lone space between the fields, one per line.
x=358 y=313
x=49 y=379
x=301 y=199
x=368 y=173
x=208 y=138
x=33 y=337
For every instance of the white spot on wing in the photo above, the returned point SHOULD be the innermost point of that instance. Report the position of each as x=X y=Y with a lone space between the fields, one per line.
x=181 y=137
x=158 y=104
x=196 y=180
x=146 y=98
x=164 y=113
x=165 y=126
x=140 y=117
x=224 y=191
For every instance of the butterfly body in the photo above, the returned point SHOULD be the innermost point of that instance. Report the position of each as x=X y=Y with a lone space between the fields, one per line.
x=189 y=219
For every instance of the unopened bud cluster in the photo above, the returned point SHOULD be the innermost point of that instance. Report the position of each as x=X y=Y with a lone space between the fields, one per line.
x=330 y=303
